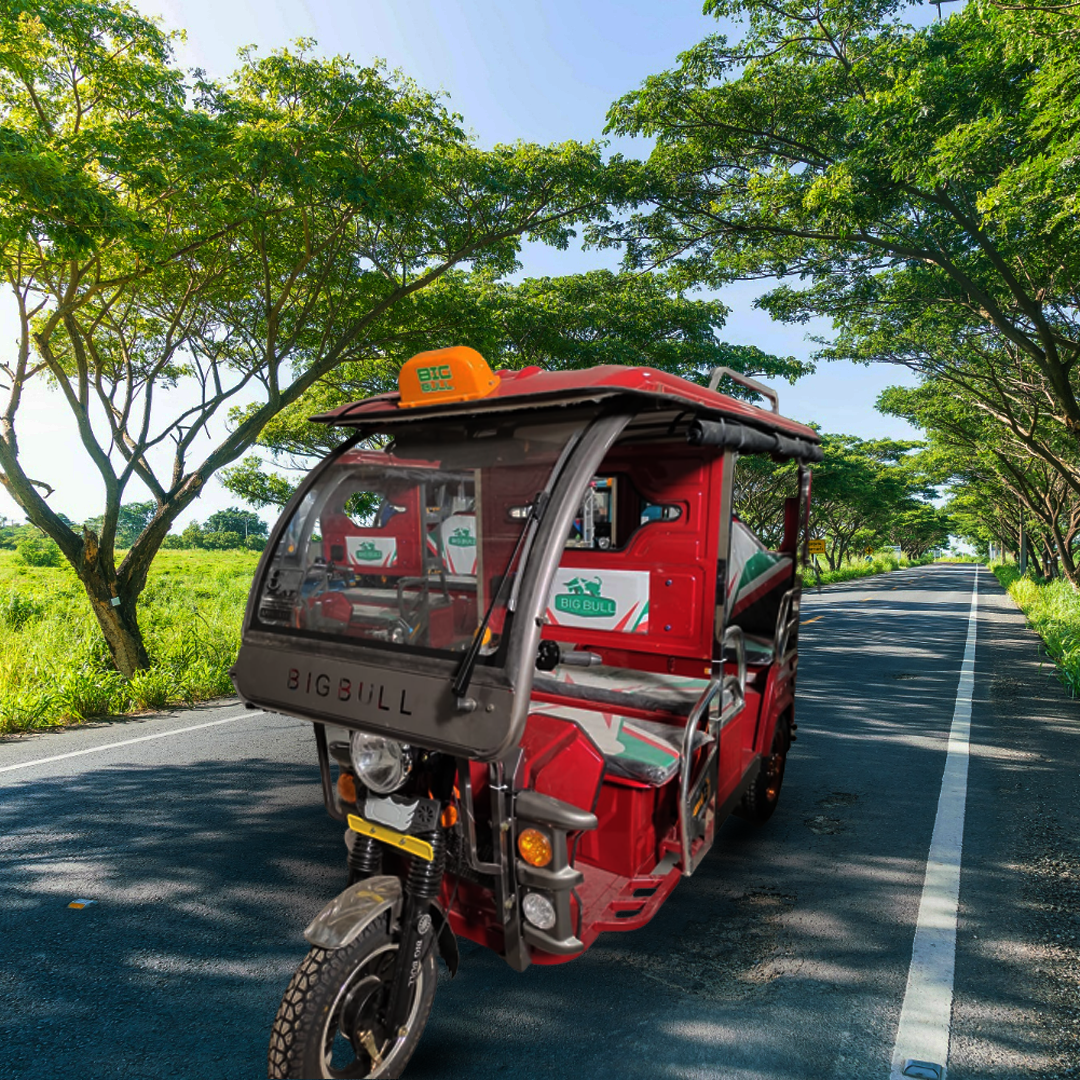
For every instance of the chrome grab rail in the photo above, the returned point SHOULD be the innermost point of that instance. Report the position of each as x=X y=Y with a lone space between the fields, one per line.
x=744 y=380
x=786 y=622
x=735 y=685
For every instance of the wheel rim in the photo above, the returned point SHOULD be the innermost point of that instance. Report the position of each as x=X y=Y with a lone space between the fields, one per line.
x=351 y=1031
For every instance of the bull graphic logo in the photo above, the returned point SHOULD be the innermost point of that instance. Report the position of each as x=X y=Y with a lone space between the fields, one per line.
x=583 y=598
x=367 y=551
x=461 y=537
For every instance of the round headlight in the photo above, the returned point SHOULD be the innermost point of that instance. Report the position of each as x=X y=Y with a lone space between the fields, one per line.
x=539 y=910
x=380 y=764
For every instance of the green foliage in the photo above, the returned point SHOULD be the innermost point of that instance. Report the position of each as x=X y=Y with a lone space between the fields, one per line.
x=168 y=240
x=54 y=667
x=881 y=562
x=38 y=551
x=18 y=610
x=919 y=529
x=131 y=520
x=1053 y=611
x=861 y=491
x=922 y=185
x=558 y=324
x=222 y=541
x=243 y=522
x=250 y=482
x=11 y=535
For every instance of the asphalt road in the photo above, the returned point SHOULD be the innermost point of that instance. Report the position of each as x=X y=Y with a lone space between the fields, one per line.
x=784 y=958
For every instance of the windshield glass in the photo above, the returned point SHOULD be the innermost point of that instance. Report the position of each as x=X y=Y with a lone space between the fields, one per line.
x=405 y=547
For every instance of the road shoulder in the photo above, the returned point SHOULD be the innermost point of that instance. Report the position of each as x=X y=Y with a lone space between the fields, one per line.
x=1019 y=917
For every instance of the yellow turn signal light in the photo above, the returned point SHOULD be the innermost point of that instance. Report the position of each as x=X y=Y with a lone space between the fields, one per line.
x=535 y=847
x=443 y=376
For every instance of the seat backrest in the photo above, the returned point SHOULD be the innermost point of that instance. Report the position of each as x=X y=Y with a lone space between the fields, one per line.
x=757 y=581
x=454 y=542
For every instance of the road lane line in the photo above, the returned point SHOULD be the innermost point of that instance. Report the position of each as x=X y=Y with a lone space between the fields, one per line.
x=925 y=1017
x=814 y=619
x=128 y=742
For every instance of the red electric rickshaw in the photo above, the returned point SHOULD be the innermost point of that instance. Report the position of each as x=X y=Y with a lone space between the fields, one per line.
x=544 y=661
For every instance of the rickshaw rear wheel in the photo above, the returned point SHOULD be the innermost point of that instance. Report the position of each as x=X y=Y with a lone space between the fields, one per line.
x=327 y=1026
x=760 y=800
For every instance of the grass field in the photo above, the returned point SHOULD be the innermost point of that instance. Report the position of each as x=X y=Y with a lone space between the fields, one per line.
x=54 y=665
x=1053 y=611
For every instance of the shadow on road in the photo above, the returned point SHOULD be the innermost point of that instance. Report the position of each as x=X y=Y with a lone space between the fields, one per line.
x=784 y=957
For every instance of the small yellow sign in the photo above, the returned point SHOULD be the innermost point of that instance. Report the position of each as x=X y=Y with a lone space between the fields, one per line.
x=817 y=547
x=411 y=844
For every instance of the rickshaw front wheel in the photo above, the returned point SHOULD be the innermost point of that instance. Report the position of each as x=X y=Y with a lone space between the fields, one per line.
x=328 y=1024
x=760 y=800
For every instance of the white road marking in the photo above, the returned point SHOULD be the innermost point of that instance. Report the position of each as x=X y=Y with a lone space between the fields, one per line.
x=926 y=1015
x=128 y=742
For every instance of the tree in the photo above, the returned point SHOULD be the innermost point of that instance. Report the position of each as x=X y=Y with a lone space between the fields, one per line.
x=242 y=522
x=858 y=488
x=175 y=249
x=761 y=486
x=556 y=323
x=922 y=184
x=919 y=528
x=992 y=475
x=131 y=520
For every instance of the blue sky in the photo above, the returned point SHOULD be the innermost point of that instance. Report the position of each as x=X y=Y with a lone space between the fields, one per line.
x=535 y=70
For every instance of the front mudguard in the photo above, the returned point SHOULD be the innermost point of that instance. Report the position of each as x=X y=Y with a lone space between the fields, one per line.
x=343 y=919
x=357 y=907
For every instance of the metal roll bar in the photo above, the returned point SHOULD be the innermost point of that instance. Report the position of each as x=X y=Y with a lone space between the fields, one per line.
x=744 y=380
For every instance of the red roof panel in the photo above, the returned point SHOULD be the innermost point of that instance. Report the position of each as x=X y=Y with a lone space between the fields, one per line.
x=535 y=382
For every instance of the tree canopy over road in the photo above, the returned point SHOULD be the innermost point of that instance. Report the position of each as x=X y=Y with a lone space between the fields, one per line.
x=200 y=265
x=920 y=183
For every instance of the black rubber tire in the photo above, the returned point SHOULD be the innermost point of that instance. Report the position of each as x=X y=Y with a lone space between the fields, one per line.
x=302 y=1043
x=761 y=799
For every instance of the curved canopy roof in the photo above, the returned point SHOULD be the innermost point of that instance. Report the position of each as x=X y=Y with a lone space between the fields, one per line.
x=533 y=387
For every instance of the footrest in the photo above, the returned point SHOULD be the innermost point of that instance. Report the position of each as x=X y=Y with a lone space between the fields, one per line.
x=638 y=901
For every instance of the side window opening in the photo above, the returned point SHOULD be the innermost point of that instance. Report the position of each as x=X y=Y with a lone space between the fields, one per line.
x=612 y=513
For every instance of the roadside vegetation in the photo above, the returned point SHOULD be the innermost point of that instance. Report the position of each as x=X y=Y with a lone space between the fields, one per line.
x=881 y=562
x=55 y=667
x=1053 y=611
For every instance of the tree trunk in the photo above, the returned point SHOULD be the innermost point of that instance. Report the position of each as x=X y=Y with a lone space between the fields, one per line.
x=114 y=607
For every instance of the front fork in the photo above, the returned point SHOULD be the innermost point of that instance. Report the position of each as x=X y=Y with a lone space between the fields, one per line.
x=417 y=929
x=422 y=886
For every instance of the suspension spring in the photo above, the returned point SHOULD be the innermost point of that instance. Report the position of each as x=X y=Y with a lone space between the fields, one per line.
x=425 y=878
x=365 y=858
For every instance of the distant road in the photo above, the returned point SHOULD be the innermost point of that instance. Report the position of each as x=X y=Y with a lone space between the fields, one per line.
x=202 y=840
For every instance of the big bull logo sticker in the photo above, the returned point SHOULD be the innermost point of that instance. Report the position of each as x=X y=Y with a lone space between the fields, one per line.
x=604 y=600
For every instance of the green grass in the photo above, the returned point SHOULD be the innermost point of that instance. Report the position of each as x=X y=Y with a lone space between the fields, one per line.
x=54 y=664
x=1053 y=612
x=881 y=563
